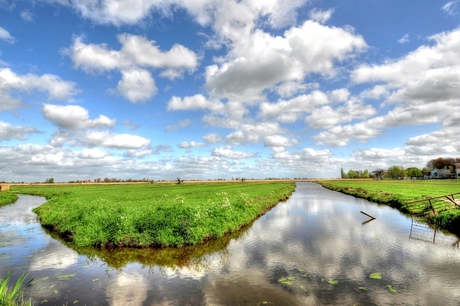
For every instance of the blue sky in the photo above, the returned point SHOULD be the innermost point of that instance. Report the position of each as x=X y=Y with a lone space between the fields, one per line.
x=205 y=89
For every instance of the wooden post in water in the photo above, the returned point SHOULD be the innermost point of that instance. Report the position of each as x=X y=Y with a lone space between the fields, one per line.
x=364 y=213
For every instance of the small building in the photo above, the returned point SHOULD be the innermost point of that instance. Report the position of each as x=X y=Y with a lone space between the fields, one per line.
x=4 y=187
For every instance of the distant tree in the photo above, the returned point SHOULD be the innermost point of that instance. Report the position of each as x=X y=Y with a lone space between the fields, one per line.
x=442 y=162
x=379 y=173
x=365 y=174
x=51 y=180
x=342 y=173
x=414 y=172
x=395 y=172
x=353 y=174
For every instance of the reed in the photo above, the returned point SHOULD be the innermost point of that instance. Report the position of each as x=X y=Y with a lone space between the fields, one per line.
x=14 y=295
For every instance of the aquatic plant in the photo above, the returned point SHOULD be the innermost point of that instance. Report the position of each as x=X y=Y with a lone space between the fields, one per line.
x=65 y=277
x=12 y=296
x=375 y=275
x=391 y=289
x=288 y=281
x=333 y=282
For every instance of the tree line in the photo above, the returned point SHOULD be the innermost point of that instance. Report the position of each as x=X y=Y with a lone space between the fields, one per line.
x=396 y=172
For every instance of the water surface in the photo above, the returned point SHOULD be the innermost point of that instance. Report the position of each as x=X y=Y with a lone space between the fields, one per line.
x=314 y=249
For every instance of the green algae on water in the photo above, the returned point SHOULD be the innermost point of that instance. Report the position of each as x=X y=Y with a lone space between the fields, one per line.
x=66 y=277
x=376 y=275
x=391 y=289
x=287 y=280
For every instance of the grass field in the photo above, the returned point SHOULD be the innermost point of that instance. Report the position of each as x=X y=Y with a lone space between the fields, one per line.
x=7 y=197
x=397 y=193
x=152 y=214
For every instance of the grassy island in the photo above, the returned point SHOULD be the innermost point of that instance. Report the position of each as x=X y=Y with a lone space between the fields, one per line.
x=159 y=215
x=396 y=193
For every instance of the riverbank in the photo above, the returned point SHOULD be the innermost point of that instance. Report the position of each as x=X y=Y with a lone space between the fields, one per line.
x=152 y=215
x=7 y=197
x=396 y=193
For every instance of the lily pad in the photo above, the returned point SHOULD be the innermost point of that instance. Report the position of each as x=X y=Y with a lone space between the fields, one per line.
x=391 y=289
x=376 y=275
x=287 y=280
x=65 y=277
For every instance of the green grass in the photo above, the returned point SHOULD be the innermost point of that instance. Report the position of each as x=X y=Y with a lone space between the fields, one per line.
x=397 y=193
x=7 y=197
x=13 y=295
x=153 y=214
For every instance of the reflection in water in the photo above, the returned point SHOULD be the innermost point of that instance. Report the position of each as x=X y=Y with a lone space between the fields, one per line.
x=197 y=258
x=311 y=250
x=424 y=232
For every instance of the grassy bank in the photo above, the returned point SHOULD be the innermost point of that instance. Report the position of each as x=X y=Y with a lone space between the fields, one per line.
x=153 y=215
x=397 y=193
x=7 y=197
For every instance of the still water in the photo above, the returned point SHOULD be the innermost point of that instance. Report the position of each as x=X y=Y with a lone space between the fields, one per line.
x=314 y=249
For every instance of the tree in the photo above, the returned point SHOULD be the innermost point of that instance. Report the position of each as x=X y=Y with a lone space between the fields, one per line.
x=51 y=180
x=342 y=173
x=442 y=162
x=395 y=172
x=365 y=174
x=353 y=174
x=379 y=173
x=414 y=172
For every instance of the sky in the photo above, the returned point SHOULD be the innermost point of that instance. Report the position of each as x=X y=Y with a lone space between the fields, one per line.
x=222 y=89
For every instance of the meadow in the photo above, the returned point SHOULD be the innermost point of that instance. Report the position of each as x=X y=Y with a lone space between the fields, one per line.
x=146 y=215
x=397 y=193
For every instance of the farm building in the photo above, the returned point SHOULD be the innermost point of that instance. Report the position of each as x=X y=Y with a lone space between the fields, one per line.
x=4 y=187
x=442 y=173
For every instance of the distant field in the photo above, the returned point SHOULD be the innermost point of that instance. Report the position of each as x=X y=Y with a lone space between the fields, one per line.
x=397 y=193
x=152 y=214
x=406 y=189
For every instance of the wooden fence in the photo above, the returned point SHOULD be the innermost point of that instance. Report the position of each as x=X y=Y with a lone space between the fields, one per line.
x=448 y=197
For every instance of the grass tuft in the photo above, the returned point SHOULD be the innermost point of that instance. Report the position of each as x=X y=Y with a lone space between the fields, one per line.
x=14 y=296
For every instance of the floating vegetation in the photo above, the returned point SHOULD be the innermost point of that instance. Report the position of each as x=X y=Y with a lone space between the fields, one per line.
x=44 y=278
x=303 y=288
x=75 y=302
x=287 y=280
x=391 y=289
x=65 y=277
x=95 y=279
x=363 y=288
x=300 y=270
x=333 y=282
x=376 y=275
x=56 y=291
